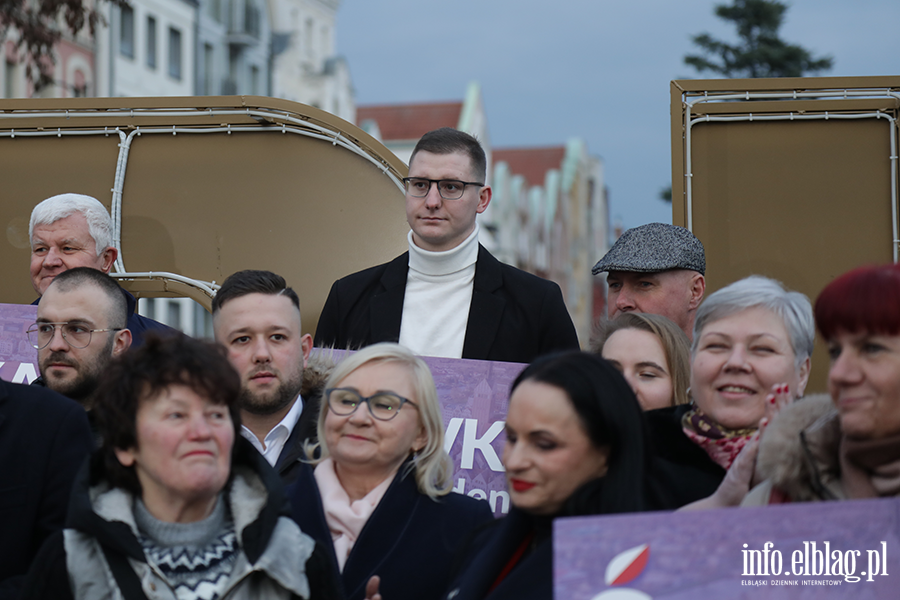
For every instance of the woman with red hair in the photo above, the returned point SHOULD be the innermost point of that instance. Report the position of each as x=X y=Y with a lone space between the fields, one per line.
x=846 y=446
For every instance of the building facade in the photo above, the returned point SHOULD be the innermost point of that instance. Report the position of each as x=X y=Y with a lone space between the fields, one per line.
x=147 y=49
x=399 y=126
x=233 y=48
x=550 y=216
x=74 y=73
x=305 y=65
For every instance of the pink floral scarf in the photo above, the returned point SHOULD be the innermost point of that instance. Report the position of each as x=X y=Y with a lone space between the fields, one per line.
x=722 y=445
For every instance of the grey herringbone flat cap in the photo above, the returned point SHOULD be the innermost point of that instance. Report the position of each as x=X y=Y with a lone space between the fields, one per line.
x=654 y=247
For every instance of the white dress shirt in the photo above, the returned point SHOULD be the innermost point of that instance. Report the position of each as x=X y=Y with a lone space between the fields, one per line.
x=274 y=442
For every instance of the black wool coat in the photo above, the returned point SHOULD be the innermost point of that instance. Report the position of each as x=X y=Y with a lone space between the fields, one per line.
x=514 y=316
x=489 y=552
x=44 y=438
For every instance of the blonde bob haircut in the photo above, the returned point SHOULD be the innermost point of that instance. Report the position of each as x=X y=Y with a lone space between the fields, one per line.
x=432 y=465
x=674 y=342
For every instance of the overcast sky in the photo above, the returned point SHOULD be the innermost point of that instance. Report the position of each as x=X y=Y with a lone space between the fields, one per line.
x=593 y=69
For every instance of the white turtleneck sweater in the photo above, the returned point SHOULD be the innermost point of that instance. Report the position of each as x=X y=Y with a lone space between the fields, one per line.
x=438 y=296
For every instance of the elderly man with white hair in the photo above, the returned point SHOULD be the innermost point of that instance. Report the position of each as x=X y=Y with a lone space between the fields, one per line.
x=74 y=230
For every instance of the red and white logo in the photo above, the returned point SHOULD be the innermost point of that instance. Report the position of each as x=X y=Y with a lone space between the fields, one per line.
x=622 y=569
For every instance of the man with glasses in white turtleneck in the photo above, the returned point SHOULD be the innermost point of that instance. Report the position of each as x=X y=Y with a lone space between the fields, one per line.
x=448 y=296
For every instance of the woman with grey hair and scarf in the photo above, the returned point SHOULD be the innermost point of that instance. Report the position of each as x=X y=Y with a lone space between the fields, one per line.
x=750 y=356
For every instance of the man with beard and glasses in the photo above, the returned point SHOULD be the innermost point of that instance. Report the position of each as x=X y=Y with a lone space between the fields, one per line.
x=81 y=325
x=256 y=316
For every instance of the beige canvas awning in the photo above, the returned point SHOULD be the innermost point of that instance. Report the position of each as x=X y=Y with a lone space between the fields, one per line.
x=202 y=187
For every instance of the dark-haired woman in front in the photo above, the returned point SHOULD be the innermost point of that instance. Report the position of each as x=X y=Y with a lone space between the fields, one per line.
x=574 y=446
x=175 y=504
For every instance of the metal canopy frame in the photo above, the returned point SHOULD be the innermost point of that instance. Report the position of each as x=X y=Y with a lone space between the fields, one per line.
x=790 y=99
x=129 y=120
x=795 y=178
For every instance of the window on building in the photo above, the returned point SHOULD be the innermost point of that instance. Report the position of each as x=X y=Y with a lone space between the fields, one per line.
x=9 y=79
x=79 y=86
x=173 y=313
x=251 y=18
x=174 y=53
x=309 y=37
x=208 y=70
x=254 y=80
x=126 y=31
x=151 y=42
x=234 y=62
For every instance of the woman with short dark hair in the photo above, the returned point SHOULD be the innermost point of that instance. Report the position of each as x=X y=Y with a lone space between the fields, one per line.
x=175 y=504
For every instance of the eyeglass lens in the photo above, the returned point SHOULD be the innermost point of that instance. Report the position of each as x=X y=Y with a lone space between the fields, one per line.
x=40 y=334
x=450 y=189
x=383 y=406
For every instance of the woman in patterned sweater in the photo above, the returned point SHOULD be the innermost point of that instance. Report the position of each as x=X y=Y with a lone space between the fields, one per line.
x=174 y=504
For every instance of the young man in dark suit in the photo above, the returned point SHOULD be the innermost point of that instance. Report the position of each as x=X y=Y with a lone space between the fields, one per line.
x=256 y=317
x=448 y=296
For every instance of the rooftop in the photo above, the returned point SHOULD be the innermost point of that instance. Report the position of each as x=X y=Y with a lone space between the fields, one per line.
x=531 y=163
x=410 y=121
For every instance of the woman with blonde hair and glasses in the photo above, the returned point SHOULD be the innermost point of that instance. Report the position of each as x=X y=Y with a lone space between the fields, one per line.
x=377 y=490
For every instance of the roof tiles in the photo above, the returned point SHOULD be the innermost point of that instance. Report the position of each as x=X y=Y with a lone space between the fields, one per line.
x=531 y=163
x=410 y=121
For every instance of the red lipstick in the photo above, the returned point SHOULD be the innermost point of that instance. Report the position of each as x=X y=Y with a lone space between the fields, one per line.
x=520 y=485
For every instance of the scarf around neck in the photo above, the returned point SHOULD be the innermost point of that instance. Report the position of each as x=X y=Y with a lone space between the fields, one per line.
x=345 y=518
x=721 y=444
x=870 y=468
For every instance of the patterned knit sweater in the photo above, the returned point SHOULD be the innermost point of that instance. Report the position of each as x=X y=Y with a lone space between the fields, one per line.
x=196 y=558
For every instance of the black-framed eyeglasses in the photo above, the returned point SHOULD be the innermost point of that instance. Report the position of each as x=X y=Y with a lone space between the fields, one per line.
x=75 y=334
x=384 y=406
x=449 y=189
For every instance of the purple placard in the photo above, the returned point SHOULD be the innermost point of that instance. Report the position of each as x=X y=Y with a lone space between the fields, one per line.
x=18 y=358
x=732 y=553
x=474 y=395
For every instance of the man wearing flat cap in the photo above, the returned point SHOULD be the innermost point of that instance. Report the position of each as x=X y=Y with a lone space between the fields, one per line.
x=656 y=269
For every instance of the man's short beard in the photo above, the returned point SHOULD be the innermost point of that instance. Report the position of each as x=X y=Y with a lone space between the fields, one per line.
x=270 y=404
x=83 y=388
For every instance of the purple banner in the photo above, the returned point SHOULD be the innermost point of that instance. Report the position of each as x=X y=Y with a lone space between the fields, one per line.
x=474 y=396
x=473 y=393
x=815 y=550
x=18 y=358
